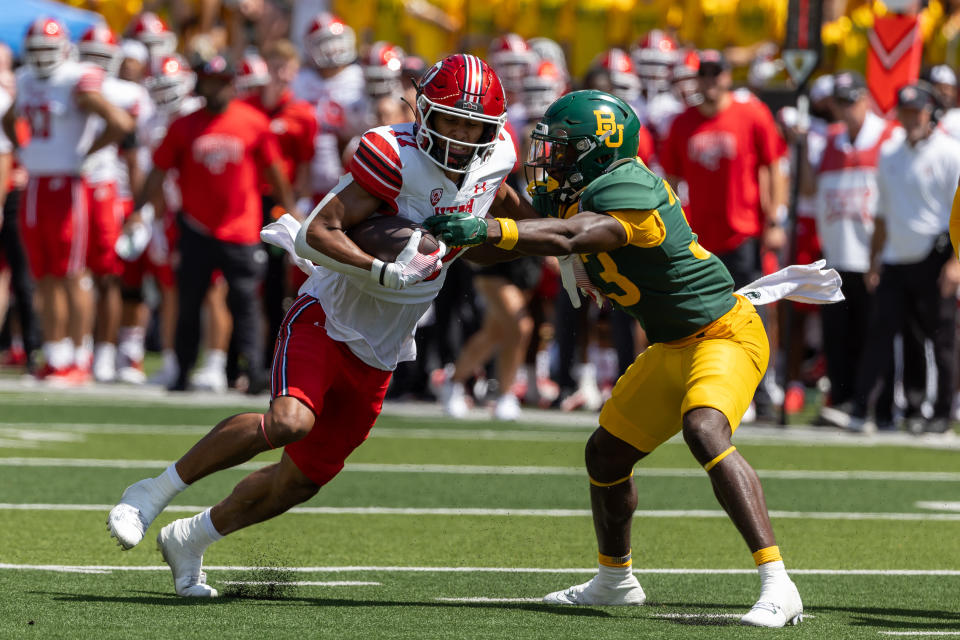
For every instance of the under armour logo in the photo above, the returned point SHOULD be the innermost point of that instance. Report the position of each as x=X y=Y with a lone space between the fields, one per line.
x=480 y=187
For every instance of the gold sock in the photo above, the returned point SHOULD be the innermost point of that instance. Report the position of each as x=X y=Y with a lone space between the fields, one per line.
x=616 y=561
x=767 y=554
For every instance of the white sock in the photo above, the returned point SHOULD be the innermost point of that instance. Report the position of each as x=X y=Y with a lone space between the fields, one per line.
x=130 y=343
x=59 y=354
x=613 y=575
x=170 y=361
x=83 y=353
x=209 y=530
x=772 y=573
x=106 y=351
x=215 y=360
x=169 y=483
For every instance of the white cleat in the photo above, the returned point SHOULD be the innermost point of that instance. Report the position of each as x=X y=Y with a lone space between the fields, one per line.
x=507 y=408
x=209 y=379
x=626 y=593
x=454 y=400
x=131 y=517
x=189 y=580
x=778 y=606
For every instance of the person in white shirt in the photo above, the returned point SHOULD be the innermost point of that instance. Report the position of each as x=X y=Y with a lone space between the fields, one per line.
x=911 y=266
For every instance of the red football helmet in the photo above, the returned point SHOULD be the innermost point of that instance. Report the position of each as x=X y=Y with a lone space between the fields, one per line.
x=252 y=73
x=543 y=88
x=149 y=29
x=330 y=41
x=512 y=58
x=169 y=83
x=653 y=56
x=626 y=84
x=99 y=46
x=464 y=86
x=383 y=68
x=684 y=79
x=46 y=46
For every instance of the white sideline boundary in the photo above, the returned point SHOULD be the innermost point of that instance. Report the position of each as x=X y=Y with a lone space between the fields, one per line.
x=919 y=633
x=535 y=513
x=492 y=470
x=64 y=568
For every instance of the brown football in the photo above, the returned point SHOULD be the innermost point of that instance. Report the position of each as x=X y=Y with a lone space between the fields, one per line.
x=384 y=237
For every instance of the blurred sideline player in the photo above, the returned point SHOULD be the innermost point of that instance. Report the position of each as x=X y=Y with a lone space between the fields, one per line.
x=220 y=153
x=331 y=81
x=106 y=174
x=266 y=83
x=60 y=98
x=170 y=86
x=623 y=228
x=353 y=322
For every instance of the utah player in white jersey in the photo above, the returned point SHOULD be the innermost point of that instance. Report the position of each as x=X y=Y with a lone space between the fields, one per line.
x=333 y=82
x=353 y=322
x=106 y=174
x=61 y=99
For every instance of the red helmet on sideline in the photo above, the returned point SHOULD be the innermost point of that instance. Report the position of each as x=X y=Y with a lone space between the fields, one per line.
x=330 y=41
x=170 y=82
x=252 y=73
x=149 y=29
x=46 y=46
x=465 y=86
x=99 y=46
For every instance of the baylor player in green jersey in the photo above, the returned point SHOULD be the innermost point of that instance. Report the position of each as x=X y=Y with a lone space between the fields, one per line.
x=621 y=232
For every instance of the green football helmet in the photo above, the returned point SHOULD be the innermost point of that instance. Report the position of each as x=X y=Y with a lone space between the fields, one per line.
x=579 y=137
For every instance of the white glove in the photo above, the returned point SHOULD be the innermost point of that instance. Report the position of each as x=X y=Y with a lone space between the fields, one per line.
x=574 y=276
x=132 y=241
x=410 y=266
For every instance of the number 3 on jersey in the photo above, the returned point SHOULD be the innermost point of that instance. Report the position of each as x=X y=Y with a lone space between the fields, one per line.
x=610 y=274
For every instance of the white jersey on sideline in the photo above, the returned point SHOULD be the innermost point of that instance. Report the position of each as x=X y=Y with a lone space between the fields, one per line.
x=152 y=134
x=105 y=165
x=376 y=323
x=847 y=194
x=342 y=113
x=60 y=132
x=6 y=99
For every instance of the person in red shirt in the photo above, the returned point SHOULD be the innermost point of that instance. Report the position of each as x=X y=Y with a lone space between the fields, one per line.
x=728 y=151
x=721 y=147
x=220 y=152
x=265 y=85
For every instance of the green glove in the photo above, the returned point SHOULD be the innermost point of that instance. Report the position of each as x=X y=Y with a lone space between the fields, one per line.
x=457 y=229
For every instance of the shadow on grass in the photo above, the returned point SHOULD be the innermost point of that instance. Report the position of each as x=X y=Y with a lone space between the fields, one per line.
x=156 y=599
x=880 y=617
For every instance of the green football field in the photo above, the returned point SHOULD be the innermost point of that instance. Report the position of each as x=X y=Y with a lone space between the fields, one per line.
x=441 y=529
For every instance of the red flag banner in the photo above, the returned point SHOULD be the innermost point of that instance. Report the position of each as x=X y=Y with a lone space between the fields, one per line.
x=896 y=49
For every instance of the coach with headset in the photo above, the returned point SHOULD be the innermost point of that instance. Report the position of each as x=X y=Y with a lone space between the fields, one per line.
x=910 y=266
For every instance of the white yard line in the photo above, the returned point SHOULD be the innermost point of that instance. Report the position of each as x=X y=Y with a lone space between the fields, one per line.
x=652 y=472
x=64 y=568
x=304 y=583
x=486 y=599
x=536 y=513
x=919 y=633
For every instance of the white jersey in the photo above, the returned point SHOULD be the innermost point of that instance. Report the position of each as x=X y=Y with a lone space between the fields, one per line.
x=342 y=113
x=847 y=194
x=917 y=185
x=6 y=100
x=661 y=110
x=60 y=132
x=376 y=323
x=152 y=133
x=105 y=165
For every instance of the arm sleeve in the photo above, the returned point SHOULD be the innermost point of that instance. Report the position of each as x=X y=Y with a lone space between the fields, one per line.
x=376 y=167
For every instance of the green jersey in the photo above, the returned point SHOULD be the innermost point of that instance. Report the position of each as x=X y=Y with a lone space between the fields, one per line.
x=662 y=277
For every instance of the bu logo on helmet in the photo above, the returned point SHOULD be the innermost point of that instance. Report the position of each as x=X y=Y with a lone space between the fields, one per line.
x=435 y=196
x=607 y=126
